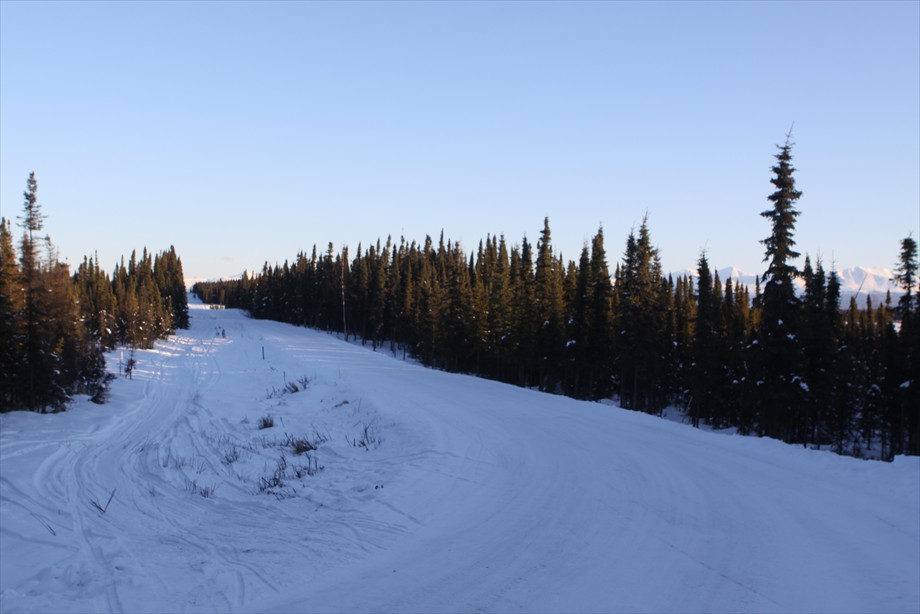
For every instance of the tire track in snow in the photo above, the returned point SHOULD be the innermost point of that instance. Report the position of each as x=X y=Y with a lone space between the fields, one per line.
x=175 y=428
x=123 y=452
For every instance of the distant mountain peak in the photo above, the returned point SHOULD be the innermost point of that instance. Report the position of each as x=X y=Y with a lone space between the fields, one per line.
x=858 y=281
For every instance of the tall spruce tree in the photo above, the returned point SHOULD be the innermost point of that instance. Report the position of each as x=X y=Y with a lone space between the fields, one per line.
x=908 y=373
x=780 y=381
x=906 y=275
x=38 y=357
x=55 y=355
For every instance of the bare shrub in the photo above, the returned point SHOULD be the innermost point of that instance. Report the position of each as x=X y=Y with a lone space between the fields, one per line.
x=192 y=486
x=274 y=484
x=368 y=439
x=319 y=438
x=300 y=445
x=231 y=456
x=301 y=383
x=310 y=469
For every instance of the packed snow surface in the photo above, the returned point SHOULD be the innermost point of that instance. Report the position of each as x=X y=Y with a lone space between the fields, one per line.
x=429 y=492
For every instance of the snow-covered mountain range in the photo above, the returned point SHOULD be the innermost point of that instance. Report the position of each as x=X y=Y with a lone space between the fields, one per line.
x=861 y=282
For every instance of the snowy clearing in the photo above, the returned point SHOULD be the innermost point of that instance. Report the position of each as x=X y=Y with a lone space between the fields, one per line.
x=384 y=486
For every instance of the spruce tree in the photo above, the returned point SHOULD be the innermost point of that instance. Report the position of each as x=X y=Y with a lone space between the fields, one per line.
x=525 y=315
x=908 y=373
x=780 y=390
x=683 y=315
x=54 y=354
x=641 y=352
x=906 y=275
x=501 y=324
x=581 y=325
x=603 y=335
x=97 y=302
x=430 y=304
x=171 y=283
x=12 y=318
x=38 y=356
x=550 y=306
x=736 y=315
x=706 y=369
x=819 y=345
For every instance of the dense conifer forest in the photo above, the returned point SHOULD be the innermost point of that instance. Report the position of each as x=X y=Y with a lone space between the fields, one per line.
x=801 y=368
x=55 y=326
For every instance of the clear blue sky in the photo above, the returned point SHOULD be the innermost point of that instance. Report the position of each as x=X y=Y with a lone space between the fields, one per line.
x=243 y=133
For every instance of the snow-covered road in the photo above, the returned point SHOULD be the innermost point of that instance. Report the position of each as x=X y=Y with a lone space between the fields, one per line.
x=430 y=492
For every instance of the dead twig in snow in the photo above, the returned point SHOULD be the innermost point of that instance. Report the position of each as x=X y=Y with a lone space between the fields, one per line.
x=103 y=509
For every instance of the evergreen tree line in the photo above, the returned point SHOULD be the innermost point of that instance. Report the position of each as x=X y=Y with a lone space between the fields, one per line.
x=802 y=369
x=55 y=327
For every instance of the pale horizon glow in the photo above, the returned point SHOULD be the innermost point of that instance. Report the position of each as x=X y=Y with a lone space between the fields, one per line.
x=244 y=133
